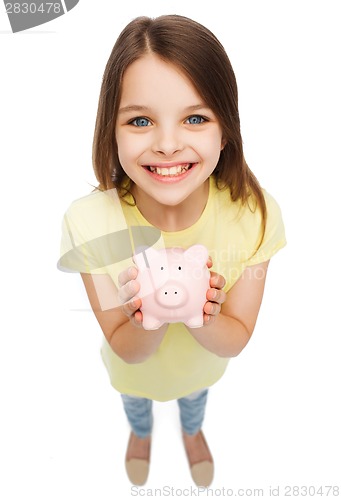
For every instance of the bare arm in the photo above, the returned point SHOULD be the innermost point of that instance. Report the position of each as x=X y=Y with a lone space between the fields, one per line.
x=130 y=342
x=228 y=331
x=229 y=320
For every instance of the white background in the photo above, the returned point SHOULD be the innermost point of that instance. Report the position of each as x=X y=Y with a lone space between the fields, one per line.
x=274 y=417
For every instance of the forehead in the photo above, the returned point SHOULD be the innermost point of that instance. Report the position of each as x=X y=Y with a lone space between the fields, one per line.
x=151 y=79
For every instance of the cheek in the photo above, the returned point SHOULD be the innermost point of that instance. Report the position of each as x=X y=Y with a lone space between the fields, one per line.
x=210 y=147
x=129 y=147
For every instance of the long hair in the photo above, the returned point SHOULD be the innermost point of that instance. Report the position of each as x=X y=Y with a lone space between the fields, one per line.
x=201 y=57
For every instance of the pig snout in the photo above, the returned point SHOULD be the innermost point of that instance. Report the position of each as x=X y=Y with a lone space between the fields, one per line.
x=172 y=294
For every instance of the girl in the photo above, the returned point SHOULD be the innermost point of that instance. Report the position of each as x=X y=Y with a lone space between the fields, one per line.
x=169 y=160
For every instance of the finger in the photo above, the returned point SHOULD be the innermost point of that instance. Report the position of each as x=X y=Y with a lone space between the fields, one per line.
x=209 y=263
x=137 y=319
x=217 y=280
x=127 y=275
x=130 y=308
x=215 y=295
x=128 y=291
x=212 y=308
x=208 y=319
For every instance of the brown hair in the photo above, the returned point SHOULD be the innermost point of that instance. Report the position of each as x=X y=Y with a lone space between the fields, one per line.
x=201 y=57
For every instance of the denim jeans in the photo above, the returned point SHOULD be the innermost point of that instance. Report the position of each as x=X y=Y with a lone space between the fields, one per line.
x=139 y=412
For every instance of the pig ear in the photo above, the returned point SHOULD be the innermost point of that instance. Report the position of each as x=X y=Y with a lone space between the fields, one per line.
x=198 y=253
x=143 y=256
x=138 y=259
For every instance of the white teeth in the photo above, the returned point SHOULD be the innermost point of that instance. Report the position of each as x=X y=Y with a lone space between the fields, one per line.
x=172 y=171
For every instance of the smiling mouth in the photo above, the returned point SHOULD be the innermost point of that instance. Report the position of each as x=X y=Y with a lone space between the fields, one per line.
x=170 y=171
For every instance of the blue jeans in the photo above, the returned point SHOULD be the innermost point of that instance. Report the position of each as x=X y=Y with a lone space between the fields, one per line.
x=139 y=412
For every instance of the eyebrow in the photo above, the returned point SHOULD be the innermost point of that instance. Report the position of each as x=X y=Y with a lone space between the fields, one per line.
x=138 y=108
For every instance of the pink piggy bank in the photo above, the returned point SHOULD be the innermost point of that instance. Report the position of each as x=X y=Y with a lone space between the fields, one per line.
x=173 y=285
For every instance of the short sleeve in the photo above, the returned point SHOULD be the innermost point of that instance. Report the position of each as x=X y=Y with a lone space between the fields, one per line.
x=94 y=234
x=79 y=253
x=274 y=237
x=96 y=237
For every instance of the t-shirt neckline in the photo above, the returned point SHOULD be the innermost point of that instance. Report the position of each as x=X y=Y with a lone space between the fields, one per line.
x=200 y=221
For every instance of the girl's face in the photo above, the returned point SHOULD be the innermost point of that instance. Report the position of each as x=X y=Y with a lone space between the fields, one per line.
x=168 y=140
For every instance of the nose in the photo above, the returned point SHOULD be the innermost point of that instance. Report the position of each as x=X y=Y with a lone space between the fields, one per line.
x=167 y=141
x=173 y=294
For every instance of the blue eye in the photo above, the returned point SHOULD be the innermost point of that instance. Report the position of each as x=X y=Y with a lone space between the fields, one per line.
x=195 y=119
x=140 y=122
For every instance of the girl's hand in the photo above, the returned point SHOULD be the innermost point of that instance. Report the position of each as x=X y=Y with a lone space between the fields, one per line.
x=129 y=287
x=215 y=296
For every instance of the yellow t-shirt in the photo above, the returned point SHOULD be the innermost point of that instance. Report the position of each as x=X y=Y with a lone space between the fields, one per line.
x=100 y=233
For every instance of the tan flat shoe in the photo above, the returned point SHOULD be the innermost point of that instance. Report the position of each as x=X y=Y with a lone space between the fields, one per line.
x=202 y=472
x=137 y=468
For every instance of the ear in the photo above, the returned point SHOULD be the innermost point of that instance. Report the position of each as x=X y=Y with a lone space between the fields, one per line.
x=144 y=256
x=197 y=253
x=139 y=260
x=223 y=143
